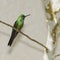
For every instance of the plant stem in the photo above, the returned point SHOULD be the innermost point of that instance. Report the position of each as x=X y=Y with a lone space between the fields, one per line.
x=25 y=35
x=57 y=55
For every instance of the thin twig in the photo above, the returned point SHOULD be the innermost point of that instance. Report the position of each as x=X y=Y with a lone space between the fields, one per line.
x=25 y=35
x=57 y=55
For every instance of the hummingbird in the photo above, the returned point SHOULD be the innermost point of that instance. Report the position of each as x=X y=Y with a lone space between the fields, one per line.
x=18 y=25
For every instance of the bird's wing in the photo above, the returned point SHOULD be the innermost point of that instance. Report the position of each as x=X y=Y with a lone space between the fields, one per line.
x=13 y=35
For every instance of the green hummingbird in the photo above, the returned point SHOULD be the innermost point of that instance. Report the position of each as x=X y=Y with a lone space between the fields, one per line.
x=18 y=25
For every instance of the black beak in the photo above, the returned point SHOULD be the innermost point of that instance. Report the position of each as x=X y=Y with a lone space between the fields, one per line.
x=27 y=15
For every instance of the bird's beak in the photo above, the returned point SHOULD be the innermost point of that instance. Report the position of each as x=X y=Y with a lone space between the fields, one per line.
x=27 y=15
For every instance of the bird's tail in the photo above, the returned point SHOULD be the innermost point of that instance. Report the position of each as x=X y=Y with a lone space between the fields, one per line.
x=10 y=41
x=14 y=34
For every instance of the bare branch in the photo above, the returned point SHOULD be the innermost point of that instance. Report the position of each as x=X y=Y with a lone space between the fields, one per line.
x=57 y=55
x=25 y=35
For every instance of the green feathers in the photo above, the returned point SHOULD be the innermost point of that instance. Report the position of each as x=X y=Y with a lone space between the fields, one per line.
x=20 y=21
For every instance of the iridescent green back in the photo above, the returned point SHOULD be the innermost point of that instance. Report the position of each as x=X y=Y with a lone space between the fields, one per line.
x=19 y=22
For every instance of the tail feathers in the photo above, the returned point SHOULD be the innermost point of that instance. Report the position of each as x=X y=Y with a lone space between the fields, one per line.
x=10 y=42
x=14 y=34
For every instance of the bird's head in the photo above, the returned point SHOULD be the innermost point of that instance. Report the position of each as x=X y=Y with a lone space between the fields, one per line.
x=24 y=16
